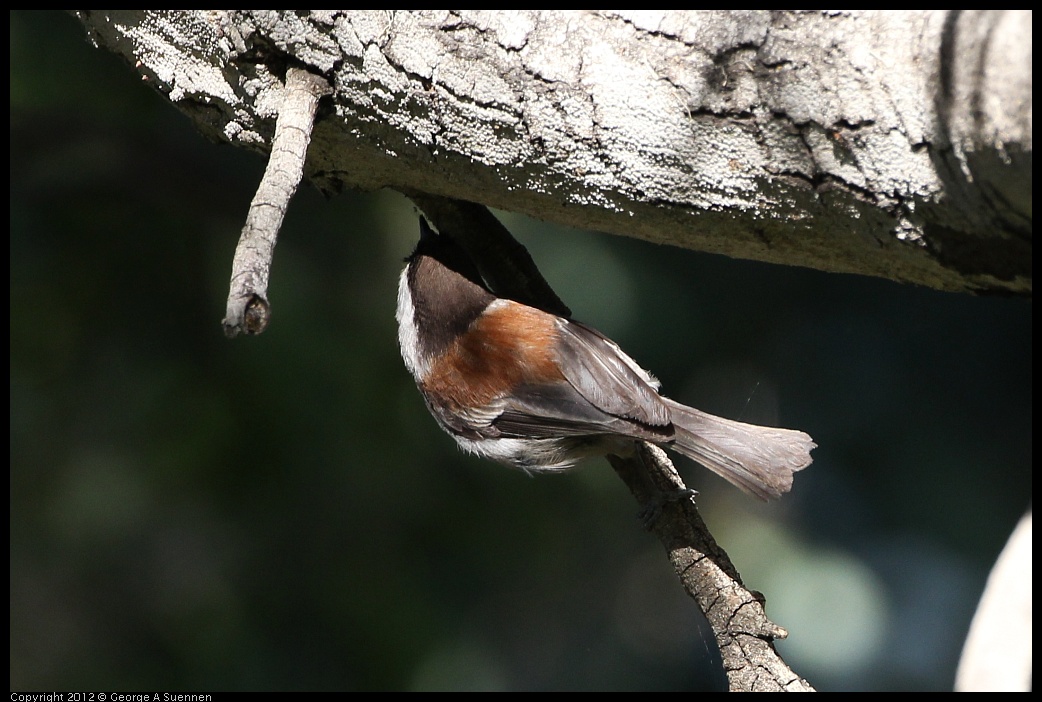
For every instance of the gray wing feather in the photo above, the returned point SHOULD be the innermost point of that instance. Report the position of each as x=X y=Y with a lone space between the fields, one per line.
x=557 y=409
x=609 y=379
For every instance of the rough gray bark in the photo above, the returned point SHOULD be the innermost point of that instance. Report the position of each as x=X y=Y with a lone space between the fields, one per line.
x=887 y=144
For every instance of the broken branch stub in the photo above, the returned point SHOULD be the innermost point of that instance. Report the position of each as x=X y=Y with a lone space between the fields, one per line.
x=248 y=308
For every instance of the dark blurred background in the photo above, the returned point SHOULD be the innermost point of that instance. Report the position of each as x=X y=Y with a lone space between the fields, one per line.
x=280 y=512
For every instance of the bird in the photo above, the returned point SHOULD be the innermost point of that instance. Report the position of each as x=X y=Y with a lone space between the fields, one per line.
x=543 y=392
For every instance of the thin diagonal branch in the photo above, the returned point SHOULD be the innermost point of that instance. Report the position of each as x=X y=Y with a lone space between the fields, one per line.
x=743 y=632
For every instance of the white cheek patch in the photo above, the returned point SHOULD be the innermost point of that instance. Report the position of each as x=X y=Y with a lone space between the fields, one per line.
x=407 y=340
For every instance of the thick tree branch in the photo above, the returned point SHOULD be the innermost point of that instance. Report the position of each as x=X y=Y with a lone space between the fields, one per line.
x=887 y=144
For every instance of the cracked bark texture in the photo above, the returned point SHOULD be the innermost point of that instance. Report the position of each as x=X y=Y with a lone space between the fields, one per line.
x=888 y=144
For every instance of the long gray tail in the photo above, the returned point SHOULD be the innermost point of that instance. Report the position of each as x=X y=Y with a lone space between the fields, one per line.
x=759 y=460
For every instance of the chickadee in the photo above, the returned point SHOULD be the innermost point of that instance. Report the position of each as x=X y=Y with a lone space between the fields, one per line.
x=541 y=392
